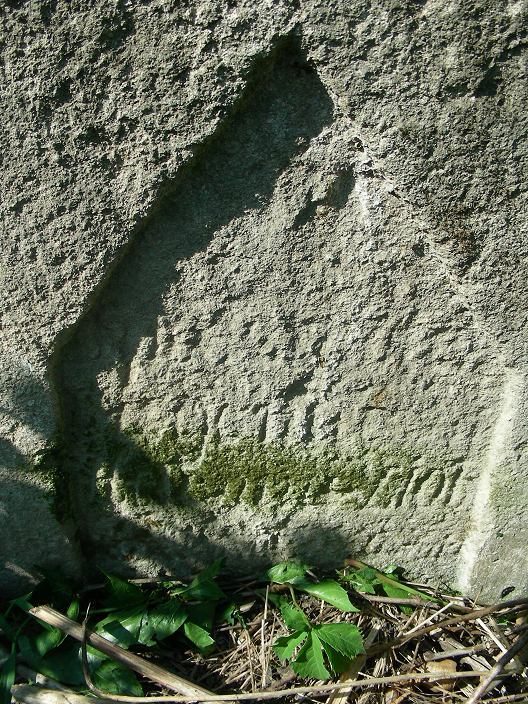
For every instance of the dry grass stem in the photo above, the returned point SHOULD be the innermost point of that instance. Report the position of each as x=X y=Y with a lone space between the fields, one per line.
x=428 y=620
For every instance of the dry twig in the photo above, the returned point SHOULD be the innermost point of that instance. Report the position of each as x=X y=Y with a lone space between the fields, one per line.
x=497 y=669
x=316 y=689
x=136 y=663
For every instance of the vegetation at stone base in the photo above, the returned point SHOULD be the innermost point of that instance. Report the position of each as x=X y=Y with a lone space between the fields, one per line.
x=367 y=580
x=239 y=641
x=175 y=616
x=340 y=642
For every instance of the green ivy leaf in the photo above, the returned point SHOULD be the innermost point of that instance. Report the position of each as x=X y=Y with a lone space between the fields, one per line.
x=328 y=590
x=7 y=679
x=286 y=572
x=163 y=621
x=197 y=635
x=343 y=637
x=285 y=645
x=309 y=662
x=204 y=587
x=122 y=593
x=115 y=678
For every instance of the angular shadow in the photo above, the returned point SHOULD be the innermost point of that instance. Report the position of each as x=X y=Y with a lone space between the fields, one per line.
x=283 y=107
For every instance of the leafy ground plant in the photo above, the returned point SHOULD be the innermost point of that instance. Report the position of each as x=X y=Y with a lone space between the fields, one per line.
x=334 y=643
x=242 y=635
x=133 y=616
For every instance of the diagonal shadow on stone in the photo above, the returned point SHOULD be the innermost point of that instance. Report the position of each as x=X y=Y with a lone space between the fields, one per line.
x=283 y=107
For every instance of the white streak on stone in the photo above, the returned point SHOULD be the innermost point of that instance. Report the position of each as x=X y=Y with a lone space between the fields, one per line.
x=482 y=523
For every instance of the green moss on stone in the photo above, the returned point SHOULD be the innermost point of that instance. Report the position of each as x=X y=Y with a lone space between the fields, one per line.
x=248 y=469
x=51 y=467
x=104 y=474
x=176 y=477
x=172 y=447
x=146 y=470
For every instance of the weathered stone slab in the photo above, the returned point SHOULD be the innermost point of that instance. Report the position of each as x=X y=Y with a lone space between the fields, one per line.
x=264 y=275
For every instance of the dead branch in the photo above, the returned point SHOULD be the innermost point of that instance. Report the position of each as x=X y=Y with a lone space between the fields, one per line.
x=134 y=662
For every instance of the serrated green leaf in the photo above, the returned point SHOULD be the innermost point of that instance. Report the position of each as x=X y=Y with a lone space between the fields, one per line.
x=286 y=572
x=368 y=573
x=122 y=592
x=163 y=621
x=7 y=679
x=197 y=635
x=293 y=618
x=328 y=590
x=275 y=599
x=338 y=662
x=343 y=637
x=309 y=662
x=285 y=645
x=363 y=580
x=115 y=678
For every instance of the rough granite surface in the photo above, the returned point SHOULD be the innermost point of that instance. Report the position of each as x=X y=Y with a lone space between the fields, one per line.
x=264 y=286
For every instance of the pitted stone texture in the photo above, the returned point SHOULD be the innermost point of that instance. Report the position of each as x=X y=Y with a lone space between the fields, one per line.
x=344 y=270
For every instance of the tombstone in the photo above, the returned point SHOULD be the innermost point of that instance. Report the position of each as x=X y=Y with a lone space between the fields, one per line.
x=276 y=307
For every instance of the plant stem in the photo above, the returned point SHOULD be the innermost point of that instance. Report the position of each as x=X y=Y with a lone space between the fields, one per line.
x=295 y=600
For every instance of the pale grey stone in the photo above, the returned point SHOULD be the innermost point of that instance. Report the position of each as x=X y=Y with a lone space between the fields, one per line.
x=289 y=225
